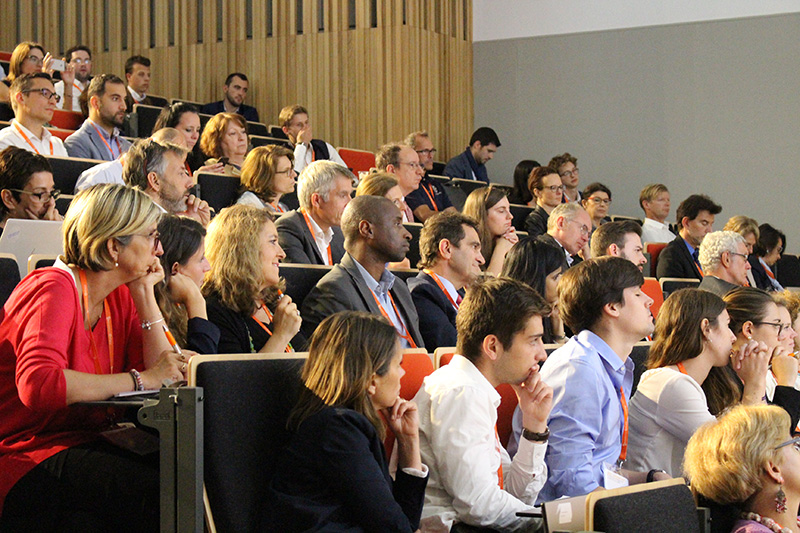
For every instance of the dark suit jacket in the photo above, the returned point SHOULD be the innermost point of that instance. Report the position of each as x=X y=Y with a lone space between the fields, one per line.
x=437 y=315
x=718 y=286
x=343 y=289
x=297 y=241
x=675 y=261
x=536 y=222
x=88 y=144
x=148 y=100
x=249 y=113
x=760 y=275
x=549 y=239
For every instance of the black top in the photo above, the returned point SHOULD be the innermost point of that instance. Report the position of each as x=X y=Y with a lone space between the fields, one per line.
x=202 y=336
x=675 y=261
x=536 y=222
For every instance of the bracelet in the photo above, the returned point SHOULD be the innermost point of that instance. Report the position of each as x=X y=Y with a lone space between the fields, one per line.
x=146 y=324
x=536 y=437
x=138 y=384
x=652 y=474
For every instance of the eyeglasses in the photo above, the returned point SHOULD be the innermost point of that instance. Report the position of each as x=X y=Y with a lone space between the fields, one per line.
x=778 y=325
x=288 y=171
x=36 y=60
x=554 y=188
x=584 y=230
x=47 y=93
x=597 y=200
x=795 y=443
x=41 y=196
x=427 y=151
x=81 y=61
x=412 y=164
x=155 y=235
x=743 y=256
x=569 y=173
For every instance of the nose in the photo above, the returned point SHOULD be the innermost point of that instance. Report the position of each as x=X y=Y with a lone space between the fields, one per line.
x=159 y=249
x=281 y=254
x=649 y=302
x=406 y=234
x=481 y=260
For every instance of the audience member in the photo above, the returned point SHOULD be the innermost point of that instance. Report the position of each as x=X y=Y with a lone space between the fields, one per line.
x=596 y=199
x=184 y=117
x=792 y=301
x=788 y=342
x=723 y=257
x=565 y=164
x=27 y=58
x=311 y=234
x=547 y=190
x=137 y=77
x=450 y=252
x=26 y=187
x=654 y=201
x=748 y=461
x=373 y=236
x=296 y=125
x=267 y=174
x=52 y=455
x=179 y=298
x=33 y=101
x=602 y=301
x=79 y=64
x=384 y=184
x=402 y=162
x=680 y=258
x=748 y=228
x=568 y=227
x=225 y=141
x=522 y=194
x=472 y=479
x=620 y=239
x=334 y=474
x=490 y=208
x=243 y=287
x=233 y=94
x=99 y=137
x=430 y=197
x=471 y=163
x=766 y=253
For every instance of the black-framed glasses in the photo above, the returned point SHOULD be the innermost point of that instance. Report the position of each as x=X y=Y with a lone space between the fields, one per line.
x=41 y=196
x=427 y=151
x=597 y=200
x=795 y=443
x=778 y=325
x=47 y=93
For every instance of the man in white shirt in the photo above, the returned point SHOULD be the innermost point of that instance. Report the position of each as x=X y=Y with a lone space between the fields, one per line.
x=654 y=200
x=472 y=480
x=33 y=99
x=137 y=77
x=402 y=161
x=296 y=125
x=79 y=59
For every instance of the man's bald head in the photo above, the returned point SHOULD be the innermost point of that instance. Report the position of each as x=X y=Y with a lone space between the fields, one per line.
x=369 y=208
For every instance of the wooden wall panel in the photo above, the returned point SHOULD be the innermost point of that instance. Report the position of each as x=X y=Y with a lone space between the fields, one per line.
x=363 y=86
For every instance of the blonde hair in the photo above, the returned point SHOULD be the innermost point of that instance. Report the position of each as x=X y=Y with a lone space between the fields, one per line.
x=259 y=168
x=99 y=214
x=211 y=140
x=742 y=225
x=233 y=248
x=725 y=459
x=376 y=184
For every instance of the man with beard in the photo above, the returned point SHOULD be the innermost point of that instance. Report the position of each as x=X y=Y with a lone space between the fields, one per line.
x=79 y=62
x=33 y=100
x=471 y=163
x=99 y=136
x=233 y=94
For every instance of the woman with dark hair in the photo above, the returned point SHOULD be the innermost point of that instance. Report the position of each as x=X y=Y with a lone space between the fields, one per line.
x=521 y=194
x=596 y=199
x=489 y=206
x=185 y=118
x=334 y=474
x=267 y=174
x=547 y=190
x=178 y=296
x=771 y=243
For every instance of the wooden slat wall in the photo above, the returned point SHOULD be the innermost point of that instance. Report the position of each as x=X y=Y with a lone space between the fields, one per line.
x=363 y=86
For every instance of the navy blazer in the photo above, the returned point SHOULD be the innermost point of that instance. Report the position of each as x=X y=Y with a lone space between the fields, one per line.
x=437 y=323
x=88 y=144
x=333 y=476
x=297 y=241
x=249 y=113
x=675 y=261
x=343 y=289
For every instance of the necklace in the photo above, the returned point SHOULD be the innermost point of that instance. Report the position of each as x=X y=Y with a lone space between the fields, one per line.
x=767 y=522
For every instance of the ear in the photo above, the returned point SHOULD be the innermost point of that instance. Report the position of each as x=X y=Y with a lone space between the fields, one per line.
x=94 y=102
x=445 y=249
x=612 y=309
x=705 y=328
x=128 y=77
x=8 y=199
x=725 y=259
x=613 y=249
x=747 y=329
x=561 y=222
x=175 y=268
x=391 y=169
x=490 y=347
x=153 y=181
x=114 y=247
x=18 y=97
x=365 y=229
x=685 y=221
x=773 y=472
x=373 y=385
x=316 y=198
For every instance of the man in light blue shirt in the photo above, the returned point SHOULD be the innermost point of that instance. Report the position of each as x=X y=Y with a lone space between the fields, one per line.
x=602 y=301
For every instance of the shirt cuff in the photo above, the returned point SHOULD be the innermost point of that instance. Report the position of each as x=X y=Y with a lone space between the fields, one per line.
x=417 y=473
x=530 y=455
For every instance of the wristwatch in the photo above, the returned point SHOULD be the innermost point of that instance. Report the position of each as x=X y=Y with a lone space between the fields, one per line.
x=536 y=437
x=652 y=474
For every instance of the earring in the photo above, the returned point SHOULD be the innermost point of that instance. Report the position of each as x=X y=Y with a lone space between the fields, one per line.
x=780 y=500
x=116 y=265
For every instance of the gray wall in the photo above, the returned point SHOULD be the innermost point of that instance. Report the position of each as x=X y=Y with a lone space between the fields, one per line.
x=708 y=107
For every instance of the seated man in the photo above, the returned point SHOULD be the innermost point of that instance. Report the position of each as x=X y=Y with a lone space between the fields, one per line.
x=695 y=220
x=620 y=239
x=296 y=125
x=233 y=94
x=99 y=137
x=137 y=76
x=723 y=256
x=591 y=375
x=472 y=480
x=568 y=227
x=33 y=99
x=79 y=59
x=565 y=164
x=26 y=187
x=402 y=162
x=654 y=200
x=373 y=236
x=471 y=163
x=311 y=235
x=430 y=197
x=450 y=252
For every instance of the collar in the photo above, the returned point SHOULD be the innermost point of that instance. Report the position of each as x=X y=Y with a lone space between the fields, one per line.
x=103 y=131
x=471 y=371
x=45 y=134
x=472 y=163
x=689 y=247
x=325 y=236
x=592 y=341
x=766 y=266
x=569 y=257
x=449 y=287
x=136 y=96
x=381 y=287
x=656 y=223
x=161 y=208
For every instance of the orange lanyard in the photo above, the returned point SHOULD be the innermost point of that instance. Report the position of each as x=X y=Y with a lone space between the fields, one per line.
x=430 y=196
x=682 y=368
x=102 y=138
x=499 y=468
x=185 y=164
x=27 y=140
x=405 y=334
x=76 y=86
x=432 y=274
x=277 y=207
x=289 y=348
x=624 y=452
x=311 y=229
x=109 y=330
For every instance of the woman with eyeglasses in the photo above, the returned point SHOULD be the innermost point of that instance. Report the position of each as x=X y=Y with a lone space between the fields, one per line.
x=267 y=174
x=224 y=141
x=596 y=199
x=748 y=462
x=546 y=188
x=768 y=249
x=489 y=206
x=82 y=331
x=384 y=184
x=26 y=187
x=27 y=58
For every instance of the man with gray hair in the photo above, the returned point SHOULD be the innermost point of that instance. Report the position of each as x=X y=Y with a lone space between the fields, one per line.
x=723 y=256
x=401 y=161
x=620 y=239
x=568 y=228
x=311 y=235
x=430 y=197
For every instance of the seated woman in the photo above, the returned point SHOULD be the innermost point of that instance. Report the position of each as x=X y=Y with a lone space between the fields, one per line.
x=747 y=460
x=244 y=283
x=545 y=185
x=26 y=58
x=792 y=302
x=596 y=199
x=521 y=194
x=334 y=474
x=186 y=119
x=766 y=253
x=84 y=330
x=692 y=339
x=179 y=297
x=489 y=206
x=788 y=343
x=267 y=174
x=386 y=185
x=225 y=141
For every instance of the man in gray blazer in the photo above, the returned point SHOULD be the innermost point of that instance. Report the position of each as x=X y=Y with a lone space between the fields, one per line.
x=374 y=235
x=99 y=136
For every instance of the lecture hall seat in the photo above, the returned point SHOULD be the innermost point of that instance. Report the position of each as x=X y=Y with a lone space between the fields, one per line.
x=357 y=160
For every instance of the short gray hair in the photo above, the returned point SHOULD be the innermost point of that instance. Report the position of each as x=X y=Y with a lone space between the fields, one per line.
x=146 y=156
x=568 y=211
x=715 y=244
x=319 y=177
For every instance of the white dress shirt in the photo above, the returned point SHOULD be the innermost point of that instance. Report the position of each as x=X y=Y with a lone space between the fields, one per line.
x=47 y=145
x=458 y=441
x=304 y=156
x=138 y=98
x=655 y=231
x=108 y=172
x=77 y=90
x=321 y=238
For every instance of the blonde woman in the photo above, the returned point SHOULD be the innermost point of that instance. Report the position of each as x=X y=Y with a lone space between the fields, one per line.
x=267 y=174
